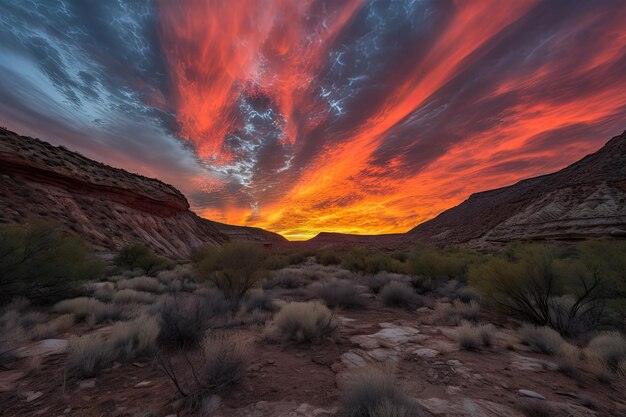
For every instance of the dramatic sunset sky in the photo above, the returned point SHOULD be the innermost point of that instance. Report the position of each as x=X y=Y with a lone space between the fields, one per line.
x=301 y=116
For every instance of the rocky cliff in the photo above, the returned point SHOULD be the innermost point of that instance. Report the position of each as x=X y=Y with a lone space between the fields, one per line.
x=586 y=199
x=109 y=207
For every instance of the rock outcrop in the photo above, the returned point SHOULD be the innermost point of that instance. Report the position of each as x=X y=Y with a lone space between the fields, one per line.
x=109 y=207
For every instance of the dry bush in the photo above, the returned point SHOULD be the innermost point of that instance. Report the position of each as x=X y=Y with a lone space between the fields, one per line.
x=133 y=339
x=53 y=328
x=467 y=311
x=400 y=294
x=84 y=307
x=378 y=281
x=180 y=273
x=129 y=296
x=339 y=293
x=104 y=291
x=258 y=300
x=607 y=350
x=374 y=393
x=147 y=284
x=541 y=339
x=30 y=319
x=184 y=319
x=569 y=359
x=302 y=323
x=224 y=361
x=88 y=355
x=288 y=278
x=12 y=336
x=467 y=295
x=142 y=258
x=472 y=337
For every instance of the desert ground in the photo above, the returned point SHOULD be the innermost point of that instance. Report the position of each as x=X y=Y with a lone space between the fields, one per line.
x=243 y=331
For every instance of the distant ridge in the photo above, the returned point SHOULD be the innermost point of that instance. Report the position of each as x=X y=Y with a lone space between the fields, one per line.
x=109 y=207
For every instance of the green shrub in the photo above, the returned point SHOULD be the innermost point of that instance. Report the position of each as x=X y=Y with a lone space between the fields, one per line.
x=234 y=268
x=327 y=258
x=143 y=258
x=42 y=263
x=550 y=286
x=302 y=322
x=439 y=263
x=363 y=260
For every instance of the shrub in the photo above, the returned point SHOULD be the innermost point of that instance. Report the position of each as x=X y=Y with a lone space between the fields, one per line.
x=142 y=257
x=541 y=339
x=12 y=336
x=53 y=328
x=569 y=359
x=466 y=311
x=104 y=291
x=376 y=394
x=88 y=355
x=288 y=278
x=378 y=281
x=327 y=258
x=362 y=260
x=439 y=263
x=548 y=286
x=467 y=295
x=609 y=349
x=399 y=294
x=148 y=284
x=471 y=337
x=224 y=361
x=84 y=307
x=133 y=339
x=234 y=268
x=303 y=322
x=339 y=293
x=132 y=296
x=184 y=319
x=258 y=300
x=42 y=263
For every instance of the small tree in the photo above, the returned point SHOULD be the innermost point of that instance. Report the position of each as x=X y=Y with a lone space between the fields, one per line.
x=42 y=263
x=142 y=257
x=234 y=268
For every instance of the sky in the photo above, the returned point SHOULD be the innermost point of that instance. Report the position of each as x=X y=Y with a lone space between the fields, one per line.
x=302 y=116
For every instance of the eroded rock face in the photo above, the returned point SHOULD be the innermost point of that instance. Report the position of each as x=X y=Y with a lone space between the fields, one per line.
x=109 y=207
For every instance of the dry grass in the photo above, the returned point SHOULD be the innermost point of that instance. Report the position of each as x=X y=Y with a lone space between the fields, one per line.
x=128 y=296
x=374 y=393
x=104 y=291
x=339 y=293
x=88 y=355
x=606 y=354
x=541 y=339
x=472 y=337
x=378 y=281
x=400 y=294
x=84 y=307
x=135 y=338
x=224 y=361
x=143 y=283
x=258 y=300
x=302 y=323
x=453 y=314
x=53 y=328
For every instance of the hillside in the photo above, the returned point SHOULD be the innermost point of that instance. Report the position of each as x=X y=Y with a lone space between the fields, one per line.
x=109 y=207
